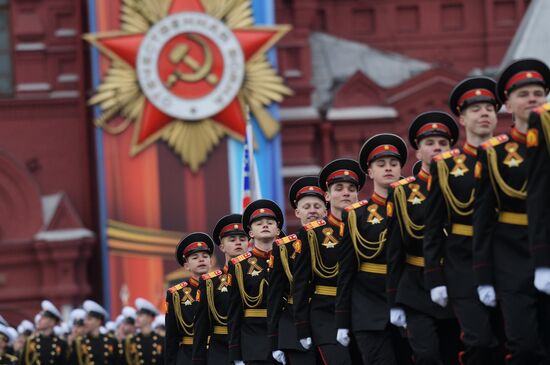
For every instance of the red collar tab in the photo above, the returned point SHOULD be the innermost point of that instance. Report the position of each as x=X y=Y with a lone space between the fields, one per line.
x=263 y=212
x=378 y=199
x=433 y=126
x=194 y=282
x=518 y=136
x=381 y=149
x=333 y=220
x=259 y=253
x=309 y=190
x=523 y=75
x=475 y=93
x=230 y=228
x=340 y=173
x=225 y=269
x=194 y=246
x=469 y=149
x=423 y=175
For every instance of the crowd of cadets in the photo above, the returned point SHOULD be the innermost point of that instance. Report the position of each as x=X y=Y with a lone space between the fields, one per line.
x=437 y=268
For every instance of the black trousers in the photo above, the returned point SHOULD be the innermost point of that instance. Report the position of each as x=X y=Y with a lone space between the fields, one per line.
x=334 y=355
x=295 y=357
x=433 y=341
x=477 y=332
x=376 y=347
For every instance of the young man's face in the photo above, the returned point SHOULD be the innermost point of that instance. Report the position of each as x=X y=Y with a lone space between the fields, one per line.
x=341 y=194
x=78 y=330
x=523 y=100
x=430 y=147
x=45 y=323
x=384 y=171
x=479 y=119
x=144 y=320
x=127 y=328
x=234 y=245
x=198 y=263
x=309 y=209
x=264 y=229
x=91 y=323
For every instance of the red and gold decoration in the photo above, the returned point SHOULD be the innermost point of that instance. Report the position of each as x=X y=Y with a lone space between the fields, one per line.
x=187 y=72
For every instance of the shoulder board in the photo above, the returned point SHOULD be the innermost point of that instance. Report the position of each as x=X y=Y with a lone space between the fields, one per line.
x=495 y=141
x=177 y=287
x=239 y=258
x=211 y=275
x=404 y=181
x=285 y=240
x=543 y=108
x=447 y=154
x=356 y=205
x=312 y=225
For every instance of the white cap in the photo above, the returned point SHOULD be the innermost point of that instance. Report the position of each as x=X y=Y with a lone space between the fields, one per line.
x=92 y=307
x=50 y=309
x=129 y=313
x=3 y=321
x=9 y=332
x=110 y=326
x=146 y=306
x=25 y=325
x=103 y=330
x=37 y=318
x=12 y=335
x=159 y=321
x=77 y=314
x=119 y=320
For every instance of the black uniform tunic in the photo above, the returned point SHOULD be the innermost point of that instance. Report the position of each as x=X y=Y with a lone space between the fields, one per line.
x=99 y=350
x=45 y=349
x=144 y=349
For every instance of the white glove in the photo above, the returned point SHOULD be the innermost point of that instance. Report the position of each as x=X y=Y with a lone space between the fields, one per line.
x=306 y=342
x=398 y=317
x=342 y=336
x=487 y=295
x=279 y=356
x=238 y=362
x=542 y=279
x=439 y=295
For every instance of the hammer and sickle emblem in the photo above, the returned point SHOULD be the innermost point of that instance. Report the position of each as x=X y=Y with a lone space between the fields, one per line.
x=459 y=169
x=513 y=159
x=180 y=54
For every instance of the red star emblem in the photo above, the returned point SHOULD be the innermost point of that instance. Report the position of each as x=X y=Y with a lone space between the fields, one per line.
x=179 y=68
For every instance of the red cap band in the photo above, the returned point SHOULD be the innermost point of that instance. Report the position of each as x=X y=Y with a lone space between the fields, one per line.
x=474 y=93
x=308 y=189
x=382 y=148
x=340 y=173
x=262 y=211
x=433 y=126
x=523 y=75
x=194 y=246
x=231 y=227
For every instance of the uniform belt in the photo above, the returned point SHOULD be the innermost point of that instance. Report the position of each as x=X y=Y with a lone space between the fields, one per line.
x=462 y=230
x=220 y=330
x=290 y=300
x=255 y=313
x=415 y=261
x=325 y=290
x=186 y=340
x=373 y=268
x=519 y=219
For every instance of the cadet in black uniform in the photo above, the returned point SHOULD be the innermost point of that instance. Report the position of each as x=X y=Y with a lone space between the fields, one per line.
x=502 y=259
x=316 y=268
x=193 y=253
x=308 y=200
x=433 y=332
x=144 y=347
x=248 y=340
x=538 y=208
x=450 y=206
x=6 y=338
x=213 y=297
x=95 y=347
x=361 y=303
x=45 y=347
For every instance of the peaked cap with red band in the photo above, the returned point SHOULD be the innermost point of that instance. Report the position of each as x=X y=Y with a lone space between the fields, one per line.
x=229 y=225
x=262 y=208
x=341 y=170
x=433 y=123
x=416 y=167
x=305 y=186
x=195 y=242
x=471 y=91
x=382 y=145
x=527 y=71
